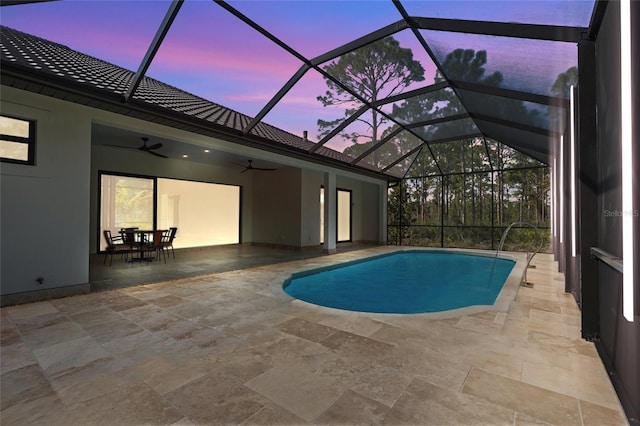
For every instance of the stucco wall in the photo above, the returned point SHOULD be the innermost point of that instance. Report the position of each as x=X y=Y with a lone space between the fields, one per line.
x=276 y=203
x=310 y=208
x=44 y=222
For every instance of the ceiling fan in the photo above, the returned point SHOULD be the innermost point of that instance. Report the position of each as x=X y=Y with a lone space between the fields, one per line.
x=146 y=148
x=251 y=167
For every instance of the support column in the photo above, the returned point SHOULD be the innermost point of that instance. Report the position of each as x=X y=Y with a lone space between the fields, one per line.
x=554 y=200
x=565 y=202
x=382 y=213
x=330 y=212
x=588 y=189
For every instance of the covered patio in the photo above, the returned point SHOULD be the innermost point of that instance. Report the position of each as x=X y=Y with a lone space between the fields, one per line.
x=189 y=263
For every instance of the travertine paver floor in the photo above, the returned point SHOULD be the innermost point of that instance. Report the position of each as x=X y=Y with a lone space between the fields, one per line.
x=231 y=348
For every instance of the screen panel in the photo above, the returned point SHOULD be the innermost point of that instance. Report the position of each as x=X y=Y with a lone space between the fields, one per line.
x=544 y=12
x=519 y=64
x=228 y=63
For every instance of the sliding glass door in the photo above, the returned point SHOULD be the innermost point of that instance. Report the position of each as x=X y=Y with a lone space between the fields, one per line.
x=205 y=214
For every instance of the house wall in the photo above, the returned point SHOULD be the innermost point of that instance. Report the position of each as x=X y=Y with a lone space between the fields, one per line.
x=619 y=340
x=276 y=203
x=310 y=208
x=364 y=209
x=44 y=213
x=280 y=218
x=49 y=212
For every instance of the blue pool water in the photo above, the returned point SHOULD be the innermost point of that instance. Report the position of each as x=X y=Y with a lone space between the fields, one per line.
x=405 y=282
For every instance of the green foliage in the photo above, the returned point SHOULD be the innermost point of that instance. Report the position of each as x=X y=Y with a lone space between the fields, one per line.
x=375 y=71
x=456 y=193
x=468 y=65
x=132 y=205
x=474 y=203
x=525 y=239
x=562 y=86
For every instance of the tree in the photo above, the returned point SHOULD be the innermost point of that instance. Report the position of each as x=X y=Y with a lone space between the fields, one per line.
x=564 y=81
x=467 y=199
x=375 y=71
x=465 y=155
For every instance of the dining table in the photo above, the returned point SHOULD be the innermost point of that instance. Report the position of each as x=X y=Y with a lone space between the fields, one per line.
x=139 y=239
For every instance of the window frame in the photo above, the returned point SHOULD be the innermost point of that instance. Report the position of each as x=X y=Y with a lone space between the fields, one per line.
x=30 y=141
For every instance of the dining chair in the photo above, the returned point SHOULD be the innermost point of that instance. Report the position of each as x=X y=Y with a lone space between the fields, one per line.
x=168 y=244
x=157 y=244
x=115 y=244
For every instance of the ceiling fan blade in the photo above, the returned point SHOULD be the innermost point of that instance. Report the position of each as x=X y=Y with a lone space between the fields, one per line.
x=156 y=154
x=155 y=146
x=121 y=146
x=263 y=169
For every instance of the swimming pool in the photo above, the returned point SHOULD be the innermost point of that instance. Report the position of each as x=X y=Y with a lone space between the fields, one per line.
x=404 y=282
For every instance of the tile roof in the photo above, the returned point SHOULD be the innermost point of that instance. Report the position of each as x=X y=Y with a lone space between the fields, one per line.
x=86 y=73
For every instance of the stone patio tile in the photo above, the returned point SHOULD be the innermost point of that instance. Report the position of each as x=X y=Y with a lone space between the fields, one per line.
x=96 y=317
x=47 y=410
x=273 y=415
x=23 y=385
x=353 y=409
x=597 y=415
x=216 y=399
x=108 y=331
x=306 y=329
x=303 y=393
x=129 y=404
x=14 y=356
x=549 y=406
x=73 y=354
x=59 y=332
x=30 y=310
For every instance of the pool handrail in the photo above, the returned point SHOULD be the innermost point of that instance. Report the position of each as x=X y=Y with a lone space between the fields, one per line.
x=529 y=258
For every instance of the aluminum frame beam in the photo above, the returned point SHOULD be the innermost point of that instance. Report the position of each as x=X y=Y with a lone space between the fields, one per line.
x=512 y=94
x=502 y=29
x=162 y=31
x=515 y=125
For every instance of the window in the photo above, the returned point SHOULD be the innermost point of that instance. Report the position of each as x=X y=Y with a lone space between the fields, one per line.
x=205 y=214
x=17 y=140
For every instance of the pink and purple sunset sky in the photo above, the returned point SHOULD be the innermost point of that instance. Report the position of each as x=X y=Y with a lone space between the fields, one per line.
x=212 y=54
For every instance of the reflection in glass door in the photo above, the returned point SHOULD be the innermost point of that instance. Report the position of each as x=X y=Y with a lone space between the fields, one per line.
x=125 y=202
x=344 y=215
x=321 y=215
